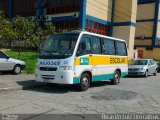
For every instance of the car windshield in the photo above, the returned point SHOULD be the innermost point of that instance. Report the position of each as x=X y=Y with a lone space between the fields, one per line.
x=140 y=62
x=59 y=46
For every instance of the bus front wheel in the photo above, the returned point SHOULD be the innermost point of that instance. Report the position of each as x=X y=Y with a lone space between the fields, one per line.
x=84 y=82
x=116 y=78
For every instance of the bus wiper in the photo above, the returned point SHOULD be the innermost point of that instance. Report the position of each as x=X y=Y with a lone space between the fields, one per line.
x=49 y=52
x=52 y=53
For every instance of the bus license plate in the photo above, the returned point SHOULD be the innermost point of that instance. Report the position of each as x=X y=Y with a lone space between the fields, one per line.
x=47 y=80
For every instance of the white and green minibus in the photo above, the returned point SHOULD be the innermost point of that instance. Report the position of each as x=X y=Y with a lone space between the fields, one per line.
x=80 y=57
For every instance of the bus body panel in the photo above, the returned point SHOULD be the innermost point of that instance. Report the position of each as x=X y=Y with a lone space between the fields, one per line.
x=102 y=67
x=57 y=76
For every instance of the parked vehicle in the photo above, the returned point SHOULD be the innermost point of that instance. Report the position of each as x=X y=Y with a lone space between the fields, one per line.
x=158 y=66
x=10 y=64
x=143 y=67
x=81 y=57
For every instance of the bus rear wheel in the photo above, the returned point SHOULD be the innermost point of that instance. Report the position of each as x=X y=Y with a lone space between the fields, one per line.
x=116 y=78
x=84 y=82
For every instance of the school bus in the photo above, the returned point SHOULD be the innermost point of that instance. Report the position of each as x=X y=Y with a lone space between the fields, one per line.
x=80 y=57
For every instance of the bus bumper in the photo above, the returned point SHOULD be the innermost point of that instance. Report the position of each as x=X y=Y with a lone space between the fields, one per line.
x=59 y=77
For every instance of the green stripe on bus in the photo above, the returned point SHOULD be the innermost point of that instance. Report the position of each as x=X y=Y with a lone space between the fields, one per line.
x=124 y=74
x=76 y=80
x=99 y=77
x=102 y=77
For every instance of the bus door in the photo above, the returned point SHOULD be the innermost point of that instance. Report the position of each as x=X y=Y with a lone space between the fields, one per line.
x=84 y=53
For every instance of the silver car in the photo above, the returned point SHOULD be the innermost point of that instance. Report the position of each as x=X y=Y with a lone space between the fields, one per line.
x=143 y=67
x=10 y=64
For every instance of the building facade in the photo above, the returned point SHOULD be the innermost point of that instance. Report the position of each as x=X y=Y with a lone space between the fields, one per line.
x=136 y=21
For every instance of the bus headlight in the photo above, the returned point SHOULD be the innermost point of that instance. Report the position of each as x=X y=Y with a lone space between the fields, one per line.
x=65 y=68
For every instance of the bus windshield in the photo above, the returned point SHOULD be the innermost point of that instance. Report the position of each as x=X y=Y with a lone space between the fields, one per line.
x=140 y=62
x=59 y=46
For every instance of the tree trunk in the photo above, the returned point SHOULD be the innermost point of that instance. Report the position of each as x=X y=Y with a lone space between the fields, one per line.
x=19 y=50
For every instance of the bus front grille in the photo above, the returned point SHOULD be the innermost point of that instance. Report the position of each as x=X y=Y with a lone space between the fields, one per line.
x=48 y=68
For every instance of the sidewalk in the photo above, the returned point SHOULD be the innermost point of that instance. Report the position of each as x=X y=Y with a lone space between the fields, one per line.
x=9 y=82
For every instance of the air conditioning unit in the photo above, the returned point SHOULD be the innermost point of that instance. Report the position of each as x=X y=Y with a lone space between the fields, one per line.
x=48 y=18
x=75 y=15
x=142 y=37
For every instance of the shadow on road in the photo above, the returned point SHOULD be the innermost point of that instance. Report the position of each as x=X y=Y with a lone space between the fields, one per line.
x=30 y=84
x=62 y=89
x=6 y=73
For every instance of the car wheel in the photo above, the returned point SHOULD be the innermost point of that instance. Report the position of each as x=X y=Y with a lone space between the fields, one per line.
x=84 y=82
x=146 y=73
x=155 y=72
x=17 y=69
x=116 y=78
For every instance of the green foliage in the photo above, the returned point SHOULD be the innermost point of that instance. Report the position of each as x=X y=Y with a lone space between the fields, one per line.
x=6 y=31
x=23 y=29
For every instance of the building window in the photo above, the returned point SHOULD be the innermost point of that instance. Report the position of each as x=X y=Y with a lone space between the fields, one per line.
x=66 y=25
x=4 y=6
x=95 y=27
x=62 y=6
x=24 y=8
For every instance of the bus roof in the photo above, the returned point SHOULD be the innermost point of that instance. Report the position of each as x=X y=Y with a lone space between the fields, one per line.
x=95 y=34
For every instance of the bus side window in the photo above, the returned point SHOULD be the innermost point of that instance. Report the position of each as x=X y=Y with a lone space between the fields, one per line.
x=96 y=45
x=84 y=47
x=121 y=48
x=109 y=47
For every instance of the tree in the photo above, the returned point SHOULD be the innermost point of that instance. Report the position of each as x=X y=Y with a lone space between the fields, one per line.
x=30 y=32
x=6 y=31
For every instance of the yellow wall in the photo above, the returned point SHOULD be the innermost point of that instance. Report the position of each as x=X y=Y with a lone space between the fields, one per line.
x=127 y=33
x=158 y=30
x=125 y=10
x=101 y=9
x=144 y=29
x=145 y=11
x=151 y=53
x=143 y=42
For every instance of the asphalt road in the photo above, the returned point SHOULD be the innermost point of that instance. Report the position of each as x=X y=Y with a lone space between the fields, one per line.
x=133 y=95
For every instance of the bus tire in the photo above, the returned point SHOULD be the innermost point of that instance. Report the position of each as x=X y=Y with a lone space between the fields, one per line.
x=84 y=82
x=116 y=78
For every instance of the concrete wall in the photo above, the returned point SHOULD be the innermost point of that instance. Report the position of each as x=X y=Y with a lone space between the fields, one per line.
x=144 y=28
x=125 y=10
x=101 y=9
x=145 y=23
x=158 y=29
x=151 y=53
x=125 y=20
x=145 y=11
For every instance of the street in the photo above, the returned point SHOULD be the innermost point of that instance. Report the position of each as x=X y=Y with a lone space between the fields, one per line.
x=132 y=95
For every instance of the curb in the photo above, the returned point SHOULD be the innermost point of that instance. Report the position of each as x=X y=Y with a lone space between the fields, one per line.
x=15 y=88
